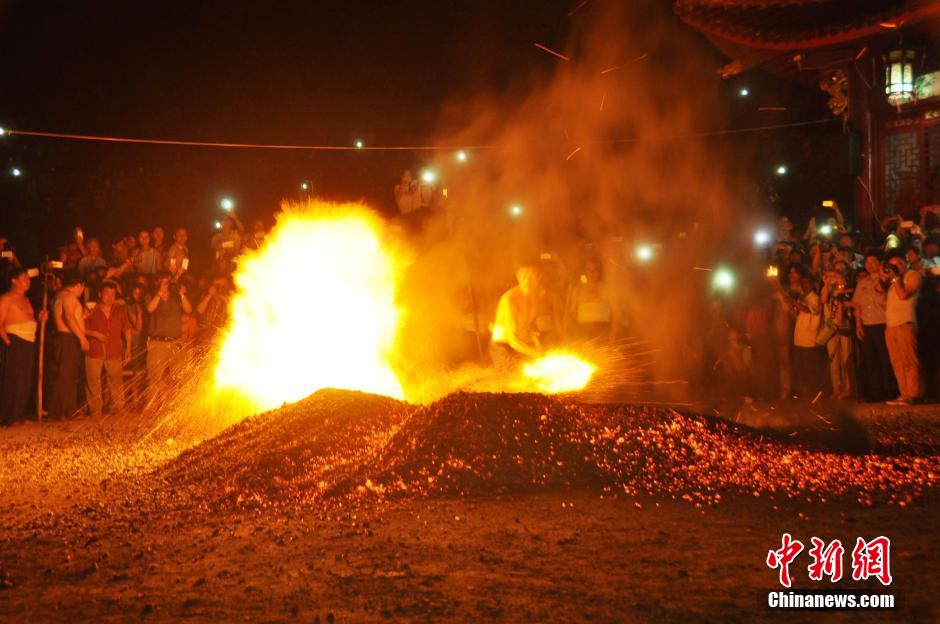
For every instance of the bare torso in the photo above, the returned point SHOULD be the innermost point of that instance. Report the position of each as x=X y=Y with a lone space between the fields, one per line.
x=67 y=304
x=18 y=309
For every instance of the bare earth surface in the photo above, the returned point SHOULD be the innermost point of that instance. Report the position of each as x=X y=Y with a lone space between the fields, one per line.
x=97 y=525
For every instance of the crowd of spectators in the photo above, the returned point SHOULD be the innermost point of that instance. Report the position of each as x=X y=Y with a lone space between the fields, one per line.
x=840 y=314
x=834 y=312
x=118 y=321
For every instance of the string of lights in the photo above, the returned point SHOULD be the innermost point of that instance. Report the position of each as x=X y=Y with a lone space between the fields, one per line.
x=361 y=146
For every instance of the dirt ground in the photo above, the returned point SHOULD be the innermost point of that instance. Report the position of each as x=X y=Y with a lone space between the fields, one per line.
x=87 y=535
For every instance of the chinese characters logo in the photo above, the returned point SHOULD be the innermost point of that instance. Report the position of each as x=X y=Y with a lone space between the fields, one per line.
x=869 y=559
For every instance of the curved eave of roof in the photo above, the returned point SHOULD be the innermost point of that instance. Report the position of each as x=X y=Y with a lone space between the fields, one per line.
x=700 y=15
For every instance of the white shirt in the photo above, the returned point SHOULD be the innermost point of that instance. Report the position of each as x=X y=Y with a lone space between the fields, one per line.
x=807 y=323
x=870 y=301
x=900 y=311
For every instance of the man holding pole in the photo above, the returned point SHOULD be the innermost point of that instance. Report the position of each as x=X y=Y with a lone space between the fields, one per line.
x=18 y=338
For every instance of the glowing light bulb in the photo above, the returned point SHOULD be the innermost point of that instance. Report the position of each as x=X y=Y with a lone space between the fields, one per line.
x=304 y=186
x=227 y=204
x=15 y=172
x=761 y=237
x=461 y=156
x=428 y=176
x=218 y=225
x=723 y=279
x=644 y=253
x=3 y=131
x=781 y=170
x=515 y=210
x=744 y=92
x=359 y=144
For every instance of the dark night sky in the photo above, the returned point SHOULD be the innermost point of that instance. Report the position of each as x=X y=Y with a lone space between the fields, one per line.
x=274 y=72
x=281 y=71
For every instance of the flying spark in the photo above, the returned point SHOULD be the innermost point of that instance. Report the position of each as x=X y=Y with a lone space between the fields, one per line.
x=616 y=67
x=552 y=52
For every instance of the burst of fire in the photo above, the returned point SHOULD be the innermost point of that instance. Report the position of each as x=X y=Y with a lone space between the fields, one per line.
x=315 y=308
x=558 y=371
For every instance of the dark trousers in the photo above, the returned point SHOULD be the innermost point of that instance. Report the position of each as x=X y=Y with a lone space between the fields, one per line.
x=67 y=363
x=876 y=377
x=809 y=371
x=16 y=379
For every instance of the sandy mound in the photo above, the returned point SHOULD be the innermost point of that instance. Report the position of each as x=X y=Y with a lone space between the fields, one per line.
x=351 y=447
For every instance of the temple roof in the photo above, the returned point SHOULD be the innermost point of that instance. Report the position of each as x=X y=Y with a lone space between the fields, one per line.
x=800 y=24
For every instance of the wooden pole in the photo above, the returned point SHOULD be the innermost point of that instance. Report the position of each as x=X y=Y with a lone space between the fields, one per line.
x=42 y=337
x=476 y=319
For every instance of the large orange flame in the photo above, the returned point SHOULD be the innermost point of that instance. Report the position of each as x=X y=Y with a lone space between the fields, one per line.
x=557 y=372
x=315 y=308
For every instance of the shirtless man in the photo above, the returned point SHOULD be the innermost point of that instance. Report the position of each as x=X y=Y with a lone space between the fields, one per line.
x=70 y=343
x=18 y=338
x=514 y=331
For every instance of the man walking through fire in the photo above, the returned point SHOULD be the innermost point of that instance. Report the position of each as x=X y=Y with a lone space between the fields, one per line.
x=514 y=331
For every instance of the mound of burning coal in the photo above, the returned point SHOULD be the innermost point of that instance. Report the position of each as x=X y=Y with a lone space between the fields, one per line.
x=338 y=446
x=290 y=454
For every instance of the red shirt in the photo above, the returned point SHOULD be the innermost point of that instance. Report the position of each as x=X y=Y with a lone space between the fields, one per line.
x=113 y=327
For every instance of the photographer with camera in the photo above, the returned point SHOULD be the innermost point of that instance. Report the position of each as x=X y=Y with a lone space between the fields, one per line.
x=901 y=327
x=70 y=254
x=166 y=309
x=213 y=309
x=227 y=243
x=837 y=315
x=868 y=303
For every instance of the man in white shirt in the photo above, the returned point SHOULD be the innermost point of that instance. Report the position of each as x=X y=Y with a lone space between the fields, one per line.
x=868 y=302
x=807 y=357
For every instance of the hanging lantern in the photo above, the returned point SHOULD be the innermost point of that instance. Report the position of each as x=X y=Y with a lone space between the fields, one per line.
x=899 y=76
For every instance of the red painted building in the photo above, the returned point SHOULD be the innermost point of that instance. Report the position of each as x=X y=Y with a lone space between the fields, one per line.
x=848 y=48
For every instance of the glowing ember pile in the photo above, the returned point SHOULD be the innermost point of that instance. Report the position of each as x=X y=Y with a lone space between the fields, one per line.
x=340 y=448
x=315 y=308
